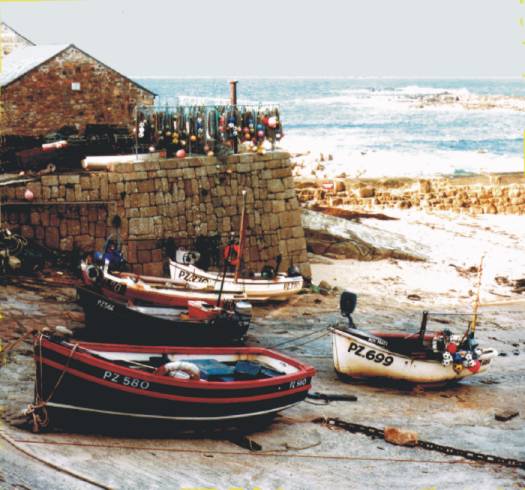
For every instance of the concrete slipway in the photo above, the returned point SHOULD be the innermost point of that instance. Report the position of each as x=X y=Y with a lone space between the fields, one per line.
x=295 y=453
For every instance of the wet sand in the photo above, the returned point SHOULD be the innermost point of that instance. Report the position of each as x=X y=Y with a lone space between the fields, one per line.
x=296 y=452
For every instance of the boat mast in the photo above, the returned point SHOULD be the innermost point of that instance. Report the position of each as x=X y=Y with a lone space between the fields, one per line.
x=472 y=327
x=241 y=236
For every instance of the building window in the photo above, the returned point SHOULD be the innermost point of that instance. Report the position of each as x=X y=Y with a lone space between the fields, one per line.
x=75 y=86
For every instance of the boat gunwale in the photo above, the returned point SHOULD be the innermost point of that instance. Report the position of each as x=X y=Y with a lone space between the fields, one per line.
x=241 y=281
x=166 y=396
x=336 y=331
x=304 y=370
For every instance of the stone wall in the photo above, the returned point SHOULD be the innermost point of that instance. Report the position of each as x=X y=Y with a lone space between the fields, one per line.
x=43 y=101
x=493 y=196
x=176 y=198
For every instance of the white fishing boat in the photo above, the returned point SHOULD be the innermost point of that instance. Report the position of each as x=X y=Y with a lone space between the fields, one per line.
x=279 y=288
x=128 y=287
x=266 y=286
x=421 y=357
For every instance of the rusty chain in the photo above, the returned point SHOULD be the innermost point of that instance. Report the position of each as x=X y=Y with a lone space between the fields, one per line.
x=431 y=446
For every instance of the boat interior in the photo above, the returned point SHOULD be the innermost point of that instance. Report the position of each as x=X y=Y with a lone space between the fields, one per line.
x=235 y=366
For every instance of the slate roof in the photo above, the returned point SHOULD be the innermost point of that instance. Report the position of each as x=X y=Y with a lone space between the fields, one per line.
x=23 y=60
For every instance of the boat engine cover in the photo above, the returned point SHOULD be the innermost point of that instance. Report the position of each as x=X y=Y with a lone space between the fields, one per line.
x=347 y=303
x=243 y=308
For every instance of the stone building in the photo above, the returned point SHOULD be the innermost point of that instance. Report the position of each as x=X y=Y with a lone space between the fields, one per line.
x=46 y=87
x=10 y=39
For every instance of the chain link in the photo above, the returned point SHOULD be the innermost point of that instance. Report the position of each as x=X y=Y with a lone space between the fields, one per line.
x=431 y=446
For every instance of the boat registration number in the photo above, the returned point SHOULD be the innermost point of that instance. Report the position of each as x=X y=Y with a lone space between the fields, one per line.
x=126 y=380
x=191 y=277
x=297 y=383
x=291 y=285
x=105 y=305
x=370 y=354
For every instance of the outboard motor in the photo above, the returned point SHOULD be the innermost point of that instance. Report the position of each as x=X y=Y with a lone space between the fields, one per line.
x=243 y=310
x=347 y=303
x=293 y=271
x=267 y=272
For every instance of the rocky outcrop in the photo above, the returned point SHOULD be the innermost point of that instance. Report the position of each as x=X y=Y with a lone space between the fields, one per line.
x=339 y=238
x=332 y=246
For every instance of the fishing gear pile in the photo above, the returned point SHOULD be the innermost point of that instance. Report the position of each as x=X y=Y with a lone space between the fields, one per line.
x=208 y=130
x=18 y=254
x=457 y=350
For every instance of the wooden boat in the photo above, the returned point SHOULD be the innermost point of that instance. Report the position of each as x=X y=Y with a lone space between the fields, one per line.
x=280 y=288
x=123 y=286
x=421 y=358
x=166 y=384
x=199 y=323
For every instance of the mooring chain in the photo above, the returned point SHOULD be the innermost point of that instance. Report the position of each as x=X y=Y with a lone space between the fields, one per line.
x=431 y=446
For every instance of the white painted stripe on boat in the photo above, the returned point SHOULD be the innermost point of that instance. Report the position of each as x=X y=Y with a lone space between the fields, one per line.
x=165 y=417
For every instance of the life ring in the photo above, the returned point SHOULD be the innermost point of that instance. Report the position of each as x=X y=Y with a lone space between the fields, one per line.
x=175 y=368
x=231 y=254
x=93 y=273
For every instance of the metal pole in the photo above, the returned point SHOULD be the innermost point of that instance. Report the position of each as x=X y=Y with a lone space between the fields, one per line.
x=233 y=92
x=226 y=261
x=233 y=102
x=241 y=236
x=476 y=303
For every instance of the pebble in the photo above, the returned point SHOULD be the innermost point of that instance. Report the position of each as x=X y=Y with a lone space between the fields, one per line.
x=400 y=437
x=504 y=415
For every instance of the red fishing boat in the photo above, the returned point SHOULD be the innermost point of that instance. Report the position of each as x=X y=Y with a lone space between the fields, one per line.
x=169 y=384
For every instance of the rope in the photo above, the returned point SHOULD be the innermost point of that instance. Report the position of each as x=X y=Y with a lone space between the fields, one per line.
x=56 y=467
x=323 y=329
x=15 y=343
x=273 y=453
x=38 y=410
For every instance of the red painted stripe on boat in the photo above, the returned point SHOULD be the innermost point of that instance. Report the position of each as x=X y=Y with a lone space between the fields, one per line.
x=154 y=394
x=304 y=371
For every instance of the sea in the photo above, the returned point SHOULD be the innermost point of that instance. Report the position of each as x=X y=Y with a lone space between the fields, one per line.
x=374 y=127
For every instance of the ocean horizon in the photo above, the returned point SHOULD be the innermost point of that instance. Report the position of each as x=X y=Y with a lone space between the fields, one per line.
x=378 y=126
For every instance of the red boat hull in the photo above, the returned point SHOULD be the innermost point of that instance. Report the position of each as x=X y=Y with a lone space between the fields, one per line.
x=95 y=385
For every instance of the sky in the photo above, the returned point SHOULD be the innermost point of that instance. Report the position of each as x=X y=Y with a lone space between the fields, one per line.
x=279 y=38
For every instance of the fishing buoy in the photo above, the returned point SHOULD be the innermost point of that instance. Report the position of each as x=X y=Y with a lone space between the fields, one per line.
x=193 y=138
x=181 y=153
x=28 y=195
x=452 y=348
x=210 y=153
x=272 y=122
x=474 y=367
x=458 y=368
x=447 y=359
x=260 y=133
